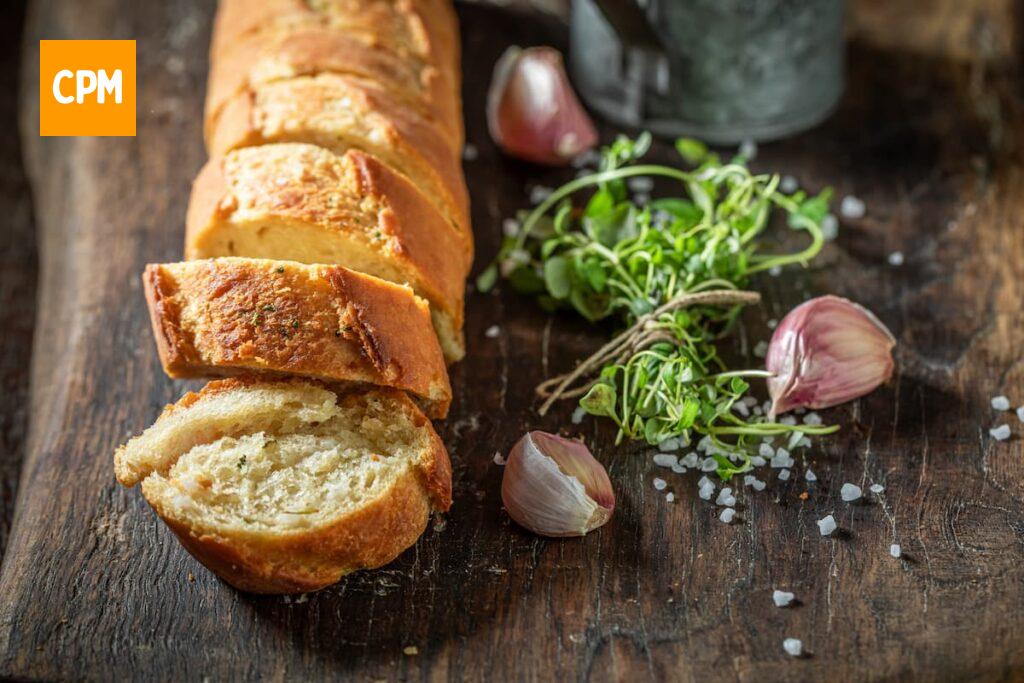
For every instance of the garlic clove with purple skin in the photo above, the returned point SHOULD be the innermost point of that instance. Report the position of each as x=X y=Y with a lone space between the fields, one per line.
x=827 y=351
x=553 y=486
x=533 y=112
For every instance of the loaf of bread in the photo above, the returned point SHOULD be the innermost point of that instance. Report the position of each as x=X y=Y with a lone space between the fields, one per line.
x=285 y=487
x=303 y=203
x=232 y=316
x=328 y=240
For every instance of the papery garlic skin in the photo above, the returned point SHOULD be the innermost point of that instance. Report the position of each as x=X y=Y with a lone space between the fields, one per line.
x=554 y=487
x=533 y=112
x=827 y=351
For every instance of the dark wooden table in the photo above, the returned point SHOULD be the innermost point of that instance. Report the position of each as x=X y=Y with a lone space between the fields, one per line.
x=93 y=586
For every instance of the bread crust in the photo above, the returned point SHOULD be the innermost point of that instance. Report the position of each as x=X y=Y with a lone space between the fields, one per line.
x=323 y=110
x=304 y=560
x=226 y=316
x=268 y=56
x=353 y=196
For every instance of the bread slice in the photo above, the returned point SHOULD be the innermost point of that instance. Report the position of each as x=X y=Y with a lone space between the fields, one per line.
x=341 y=113
x=302 y=203
x=285 y=487
x=230 y=316
x=283 y=52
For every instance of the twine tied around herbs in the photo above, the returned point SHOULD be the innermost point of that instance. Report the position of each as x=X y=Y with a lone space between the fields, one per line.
x=640 y=335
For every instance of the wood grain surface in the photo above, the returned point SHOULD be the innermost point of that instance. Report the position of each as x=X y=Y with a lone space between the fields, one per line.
x=92 y=586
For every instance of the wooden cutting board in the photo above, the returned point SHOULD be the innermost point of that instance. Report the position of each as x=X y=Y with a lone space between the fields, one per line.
x=93 y=586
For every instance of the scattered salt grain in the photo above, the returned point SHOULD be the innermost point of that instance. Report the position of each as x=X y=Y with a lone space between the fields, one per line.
x=748 y=149
x=577 y=415
x=660 y=483
x=782 y=598
x=1020 y=413
x=689 y=460
x=642 y=198
x=538 y=193
x=758 y=461
x=757 y=411
x=640 y=184
x=705 y=444
x=782 y=459
x=852 y=207
x=761 y=349
x=670 y=496
x=895 y=550
x=812 y=419
x=1000 y=433
x=896 y=258
x=727 y=515
x=810 y=475
x=876 y=488
x=784 y=475
x=775 y=271
x=678 y=469
x=709 y=465
x=510 y=227
x=754 y=483
x=470 y=152
x=665 y=459
x=827 y=525
x=750 y=401
x=671 y=444
x=707 y=487
x=499 y=459
x=788 y=420
x=850 y=492
x=1000 y=403
x=789 y=184
x=793 y=646
x=492 y=331
x=795 y=439
x=765 y=450
x=741 y=408
x=773 y=323
x=829 y=227
x=725 y=497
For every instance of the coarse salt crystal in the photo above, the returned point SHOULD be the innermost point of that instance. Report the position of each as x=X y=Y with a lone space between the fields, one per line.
x=704 y=444
x=750 y=401
x=706 y=489
x=829 y=227
x=789 y=184
x=748 y=149
x=492 y=331
x=640 y=184
x=670 y=496
x=741 y=408
x=852 y=207
x=671 y=444
x=827 y=525
x=795 y=440
x=678 y=469
x=757 y=411
x=793 y=646
x=727 y=515
x=665 y=459
x=724 y=496
x=773 y=323
x=510 y=227
x=1000 y=403
x=895 y=550
x=538 y=193
x=761 y=349
x=709 y=465
x=876 y=488
x=765 y=450
x=850 y=492
x=690 y=460
x=810 y=476
x=896 y=258
x=1020 y=413
x=812 y=419
x=1000 y=433
x=782 y=459
x=788 y=420
x=775 y=271
x=782 y=598
x=759 y=485
x=577 y=415
x=498 y=459
x=784 y=475
x=758 y=461
x=660 y=483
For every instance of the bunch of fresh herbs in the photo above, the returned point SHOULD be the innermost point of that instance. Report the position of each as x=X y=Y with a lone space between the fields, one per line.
x=632 y=261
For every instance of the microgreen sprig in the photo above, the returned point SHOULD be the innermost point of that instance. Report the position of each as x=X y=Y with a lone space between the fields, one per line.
x=632 y=262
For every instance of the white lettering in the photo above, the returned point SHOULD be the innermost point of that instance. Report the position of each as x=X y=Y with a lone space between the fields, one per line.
x=109 y=85
x=61 y=75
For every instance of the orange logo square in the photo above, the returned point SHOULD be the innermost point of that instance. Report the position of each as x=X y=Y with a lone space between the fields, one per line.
x=86 y=87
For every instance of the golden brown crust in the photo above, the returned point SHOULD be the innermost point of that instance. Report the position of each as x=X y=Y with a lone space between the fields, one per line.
x=312 y=51
x=231 y=315
x=340 y=113
x=327 y=199
x=301 y=561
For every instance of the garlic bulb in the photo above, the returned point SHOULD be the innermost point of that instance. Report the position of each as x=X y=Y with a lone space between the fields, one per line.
x=554 y=487
x=827 y=351
x=532 y=111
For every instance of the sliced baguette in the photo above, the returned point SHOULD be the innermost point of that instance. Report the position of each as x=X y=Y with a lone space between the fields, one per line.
x=230 y=316
x=341 y=113
x=285 y=487
x=302 y=203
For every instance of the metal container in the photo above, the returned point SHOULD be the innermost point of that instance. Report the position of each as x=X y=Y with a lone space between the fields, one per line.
x=720 y=70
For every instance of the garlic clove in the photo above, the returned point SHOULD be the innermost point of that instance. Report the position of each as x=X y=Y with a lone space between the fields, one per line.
x=553 y=486
x=533 y=112
x=827 y=351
